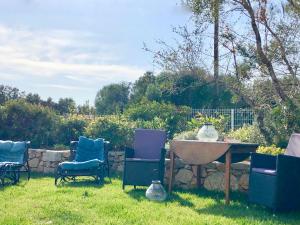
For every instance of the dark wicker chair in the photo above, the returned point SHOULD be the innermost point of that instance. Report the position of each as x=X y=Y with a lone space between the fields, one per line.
x=275 y=180
x=146 y=160
x=13 y=161
x=90 y=160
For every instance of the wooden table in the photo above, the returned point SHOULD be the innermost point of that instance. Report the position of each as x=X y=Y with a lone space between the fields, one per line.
x=199 y=153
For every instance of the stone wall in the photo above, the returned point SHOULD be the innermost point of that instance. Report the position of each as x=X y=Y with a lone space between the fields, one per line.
x=212 y=174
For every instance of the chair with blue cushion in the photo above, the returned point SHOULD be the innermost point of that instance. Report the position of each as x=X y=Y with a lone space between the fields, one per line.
x=13 y=161
x=275 y=180
x=145 y=162
x=88 y=158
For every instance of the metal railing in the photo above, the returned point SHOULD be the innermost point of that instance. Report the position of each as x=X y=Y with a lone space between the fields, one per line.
x=236 y=117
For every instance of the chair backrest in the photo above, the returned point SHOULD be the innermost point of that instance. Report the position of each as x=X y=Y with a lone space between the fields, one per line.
x=88 y=149
x=148 y=143
x=12 y=151
x=293 y=148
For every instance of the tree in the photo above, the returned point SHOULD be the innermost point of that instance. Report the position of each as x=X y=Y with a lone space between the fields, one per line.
x=9 y=93
x=260 y=46
x=33 y=98
x=140 y=86
x=85 y=109
x=66 y=106
x=202 y=7
x=112 y=98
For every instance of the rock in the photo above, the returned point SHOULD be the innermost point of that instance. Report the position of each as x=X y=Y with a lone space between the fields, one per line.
x=220 y=166
x=244 y=182
x=120 y=168
x=184 y=176
x=34 y=162
x=216 y=181
x=241 y=166
x=49 y=170
x=49 y=156
x=210 y=166
x=188 y=167
x=66 y=154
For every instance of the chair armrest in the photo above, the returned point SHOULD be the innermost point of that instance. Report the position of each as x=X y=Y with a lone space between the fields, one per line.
x=263 y=161
x=129 y=152
x=288 y=166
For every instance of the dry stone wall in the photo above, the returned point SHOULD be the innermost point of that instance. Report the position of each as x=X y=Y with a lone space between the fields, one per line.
x=212 y=174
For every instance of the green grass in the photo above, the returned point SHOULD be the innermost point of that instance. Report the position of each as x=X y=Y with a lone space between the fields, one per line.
x=40 y=202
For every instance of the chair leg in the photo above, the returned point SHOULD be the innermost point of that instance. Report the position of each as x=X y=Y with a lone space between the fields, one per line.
x=28 y=171
x=123 y=186
x=134 y=186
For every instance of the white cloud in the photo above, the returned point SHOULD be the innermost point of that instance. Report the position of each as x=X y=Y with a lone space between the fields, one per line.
x=54 y=53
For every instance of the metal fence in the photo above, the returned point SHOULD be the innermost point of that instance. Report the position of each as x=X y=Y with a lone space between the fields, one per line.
x=236 y=117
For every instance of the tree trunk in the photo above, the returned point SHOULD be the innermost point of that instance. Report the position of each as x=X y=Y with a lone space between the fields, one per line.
x=216 y=8
x=261 y=125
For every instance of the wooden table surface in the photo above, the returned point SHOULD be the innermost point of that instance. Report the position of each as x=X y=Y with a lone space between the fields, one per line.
x=199 y=153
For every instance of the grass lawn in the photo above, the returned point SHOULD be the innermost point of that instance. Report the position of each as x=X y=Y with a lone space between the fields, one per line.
x=40 y=202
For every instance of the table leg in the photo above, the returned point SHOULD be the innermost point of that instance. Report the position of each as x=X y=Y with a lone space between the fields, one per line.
x=227 y=176
x=172 y=156
x=198 y=176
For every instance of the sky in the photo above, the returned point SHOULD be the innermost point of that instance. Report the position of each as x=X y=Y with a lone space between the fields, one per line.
x=72 y=48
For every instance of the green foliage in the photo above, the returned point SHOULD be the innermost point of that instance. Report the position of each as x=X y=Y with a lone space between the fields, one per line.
x=247 y=133
x=71 y=127
x=187 y=135
x=140 y=87
x=271 y=150
x=112 y=98
x=171 y=118
x=66 y=106
x=21 y=120
x=218 y=122
x=118 y=130
x=60 y=147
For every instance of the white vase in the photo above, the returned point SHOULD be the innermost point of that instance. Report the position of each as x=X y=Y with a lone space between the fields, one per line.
x=207 y=133
x=156 y=192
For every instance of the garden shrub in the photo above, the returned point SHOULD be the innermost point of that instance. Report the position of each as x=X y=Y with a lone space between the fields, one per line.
x=218 y=122
x=71 y=127
x=248 y=134
x=271 y=150
x=21 y=120
x=187 y=135
x=116 y=129
x=172 y=118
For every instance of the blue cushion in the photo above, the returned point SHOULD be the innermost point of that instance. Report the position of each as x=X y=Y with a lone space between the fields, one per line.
x=12 y=152
x=89 y=149
x=90 y=164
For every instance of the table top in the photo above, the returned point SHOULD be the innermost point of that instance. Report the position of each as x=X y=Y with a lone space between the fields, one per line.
x=199 y=152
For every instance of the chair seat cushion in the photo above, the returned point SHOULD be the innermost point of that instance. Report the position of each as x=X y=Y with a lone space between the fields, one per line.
x=141 y=160
x=87 y=165
x=265 y=171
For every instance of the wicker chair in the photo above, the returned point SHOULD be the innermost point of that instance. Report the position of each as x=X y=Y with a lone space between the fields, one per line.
x=88 y=158
x=13 y=161
x=146 y=161
x=275 y=180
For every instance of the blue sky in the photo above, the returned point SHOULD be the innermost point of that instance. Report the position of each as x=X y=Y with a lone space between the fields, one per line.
x=71 y=48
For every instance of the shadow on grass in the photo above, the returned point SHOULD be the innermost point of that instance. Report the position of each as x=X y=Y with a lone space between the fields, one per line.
x=238 y=208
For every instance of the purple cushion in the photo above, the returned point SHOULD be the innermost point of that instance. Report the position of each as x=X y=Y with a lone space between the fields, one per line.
x=264 y=170
x=148 y=143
